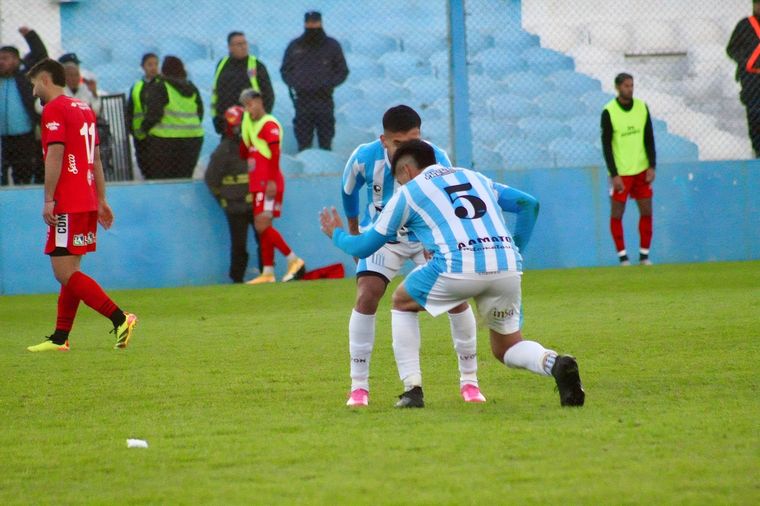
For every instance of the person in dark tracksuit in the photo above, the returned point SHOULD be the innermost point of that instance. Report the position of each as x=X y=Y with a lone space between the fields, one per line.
x=312 y=67
x=227 y=178
x=743 y=48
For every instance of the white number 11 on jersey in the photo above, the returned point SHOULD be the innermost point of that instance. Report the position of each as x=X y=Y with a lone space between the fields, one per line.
x=88 y=132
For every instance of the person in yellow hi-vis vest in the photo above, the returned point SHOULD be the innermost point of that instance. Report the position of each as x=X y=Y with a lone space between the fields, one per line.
x=628 y=145
x=172 y=123
x=261 y=138
x=135 y=104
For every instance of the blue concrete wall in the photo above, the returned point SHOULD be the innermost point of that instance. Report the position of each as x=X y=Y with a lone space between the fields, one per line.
x=174 y=234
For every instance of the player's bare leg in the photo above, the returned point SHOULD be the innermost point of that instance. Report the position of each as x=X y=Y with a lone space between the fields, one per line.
x=616 y=228
x=645 y=229
x=517 y=353
x=370 y=288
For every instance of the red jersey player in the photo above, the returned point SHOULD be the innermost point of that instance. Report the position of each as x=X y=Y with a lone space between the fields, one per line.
x=75 y=202
x=261 y=134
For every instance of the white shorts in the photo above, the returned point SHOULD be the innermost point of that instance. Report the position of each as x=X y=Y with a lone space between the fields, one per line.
x=497 y=295
x=388 y=260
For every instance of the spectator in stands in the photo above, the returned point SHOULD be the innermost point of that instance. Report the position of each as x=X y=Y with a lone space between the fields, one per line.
x=74 y=81
x=234 y=73
x=312 y=67
x=136 y=104
x=21 y=150
x=172 y=122
x=743 y=49
x=227 y=178
x=628 y=144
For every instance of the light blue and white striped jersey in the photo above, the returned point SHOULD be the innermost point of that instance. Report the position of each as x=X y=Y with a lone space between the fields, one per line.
x=456 y=214
x=369 y=165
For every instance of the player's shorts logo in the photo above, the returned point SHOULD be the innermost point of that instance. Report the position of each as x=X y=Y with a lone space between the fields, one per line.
x=78 y=240
x=90 y=239
x=61 y=224
x=501 y=314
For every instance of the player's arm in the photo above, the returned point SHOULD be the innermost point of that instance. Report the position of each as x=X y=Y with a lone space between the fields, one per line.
x=53 y=164
x=525 y=206
x=360 y=246
x=272 y=134
x=105 y=214
x=649 y=147
x=352 y=181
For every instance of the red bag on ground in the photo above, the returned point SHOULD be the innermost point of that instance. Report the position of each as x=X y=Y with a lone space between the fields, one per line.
x=333 y=271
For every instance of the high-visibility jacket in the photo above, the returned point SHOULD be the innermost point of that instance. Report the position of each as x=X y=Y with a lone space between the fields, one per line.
x=628 y=146
x=251 y=75
x=750 y=65
x=138 y=112
x=250 y=130
x=180 y=119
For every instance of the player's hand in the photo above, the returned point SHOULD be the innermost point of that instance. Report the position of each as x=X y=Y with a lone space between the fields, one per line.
x=271 y=190
x=428 y=254
x=23 y=30
x=92 y=85
x=617 y=184
x=105 y=215
x=47 y=213
x=650 y=175
x=329 y=220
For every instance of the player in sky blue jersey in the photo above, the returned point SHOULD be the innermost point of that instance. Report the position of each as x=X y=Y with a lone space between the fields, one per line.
x=457 y=214
x=369 y=166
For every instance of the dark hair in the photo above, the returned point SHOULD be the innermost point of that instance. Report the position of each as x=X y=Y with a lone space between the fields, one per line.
x=10 y=49
x=173 y=67
x=401 y=118
x=50 y=66
x=146 y=56
x=622 y=77
x=421 y=152
x=231 y=35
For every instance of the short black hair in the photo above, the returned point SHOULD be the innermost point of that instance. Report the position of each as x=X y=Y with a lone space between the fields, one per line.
x=422 y=153
x=146 y=56
x=10 y=49
x=50 y=66
x=401 y=118
x=232 y=35
x=622 y=77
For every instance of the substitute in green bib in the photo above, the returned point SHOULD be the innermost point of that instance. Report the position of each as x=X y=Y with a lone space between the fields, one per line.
x=628 y=144
x=172 y=124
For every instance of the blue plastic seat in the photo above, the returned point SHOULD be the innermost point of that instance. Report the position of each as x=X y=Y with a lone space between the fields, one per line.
x=437 y=131
x=289 y=142
x=574 y=82
x=383 y=92
x=545 y=61
x=427 y=89
x=673 y=148
x=485 y=158
x=498 y=63
x=585 y=127
x=543 y=130
x=290 y=166
x=91 y=52
x=484 y=86
x=527 y=84
x=400 y=66
x=440 y=63
x=519 y=153
x=423 y=45
x=489 y=132
x=132 y=50
x=372 y=44
x=478 y=41
x=185 y=48
x=363 y=67
x=346 y=93
x=595 y=101
x=362 y=114
x=348 y=137
x=319 y=161
x=201 y=73
x=575 y=153
x=560 y=105
x=513 y=107
x=515 y=40
x=116 y=77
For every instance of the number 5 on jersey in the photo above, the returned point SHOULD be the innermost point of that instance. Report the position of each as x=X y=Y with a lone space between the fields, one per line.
x=476 y=209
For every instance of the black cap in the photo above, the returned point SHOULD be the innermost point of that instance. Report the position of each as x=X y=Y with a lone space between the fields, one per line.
x=69 y=58
x=312 y=16
x=10 y=49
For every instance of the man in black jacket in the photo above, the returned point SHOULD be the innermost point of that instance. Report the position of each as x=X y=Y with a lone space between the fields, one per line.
x=312 y=67
x=743 y=49
x=21 y=150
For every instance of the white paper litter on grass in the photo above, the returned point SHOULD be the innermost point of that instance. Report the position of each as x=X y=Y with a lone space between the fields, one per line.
x=137 y=443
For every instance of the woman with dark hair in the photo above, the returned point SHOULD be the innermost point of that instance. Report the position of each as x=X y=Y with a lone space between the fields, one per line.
x=172 y=123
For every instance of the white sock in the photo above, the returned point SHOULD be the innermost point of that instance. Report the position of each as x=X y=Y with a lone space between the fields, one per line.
x=531 y=356
x=361 y=340
x=464 y=336
x=405 y=328
x=268 y=269
x=291 y=256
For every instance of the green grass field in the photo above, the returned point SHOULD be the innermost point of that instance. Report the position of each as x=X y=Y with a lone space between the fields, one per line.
x=240 y=393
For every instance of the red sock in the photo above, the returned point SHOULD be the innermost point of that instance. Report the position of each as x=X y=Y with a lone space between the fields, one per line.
x=68 y=303
x=616 y=227
x=277 y=241
x=267 y=248
x=89 y=291
x=645 y=231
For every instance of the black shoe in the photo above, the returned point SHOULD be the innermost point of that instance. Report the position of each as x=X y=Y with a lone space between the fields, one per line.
x=411 y=399
x=565 y=372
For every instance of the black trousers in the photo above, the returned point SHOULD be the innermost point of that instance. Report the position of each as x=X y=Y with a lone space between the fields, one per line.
x=314 y=114
x=22 y=154
x=140 y=153
x=170 y=158
x=239 y=224
x=753 y=123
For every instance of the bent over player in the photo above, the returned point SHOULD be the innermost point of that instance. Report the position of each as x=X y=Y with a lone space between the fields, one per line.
x=457 y=214
x=75 y=202
x=369 y=166
x=262 y=136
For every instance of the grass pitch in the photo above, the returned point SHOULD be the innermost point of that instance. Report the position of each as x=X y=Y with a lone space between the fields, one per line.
x=240 y=393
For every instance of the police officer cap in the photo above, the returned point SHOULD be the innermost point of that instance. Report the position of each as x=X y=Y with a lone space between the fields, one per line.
x=317 y=16
x=69 y=58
